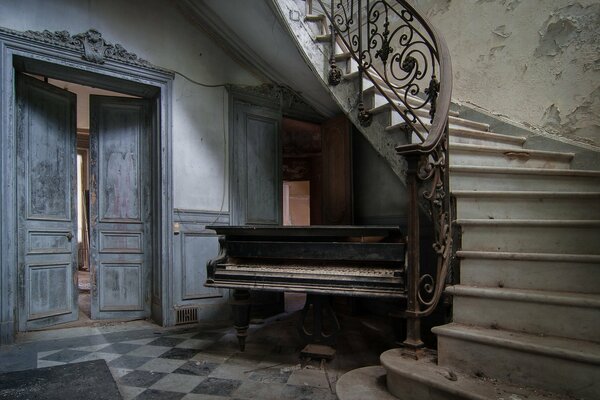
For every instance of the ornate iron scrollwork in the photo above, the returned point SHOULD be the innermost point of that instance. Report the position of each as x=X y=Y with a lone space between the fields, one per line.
x=433 y=175
x=394 y=49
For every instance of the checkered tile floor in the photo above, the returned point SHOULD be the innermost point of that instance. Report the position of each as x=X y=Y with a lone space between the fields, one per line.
x=205 y=363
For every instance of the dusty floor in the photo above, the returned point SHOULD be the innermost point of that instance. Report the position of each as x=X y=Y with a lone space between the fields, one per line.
x=202 y=361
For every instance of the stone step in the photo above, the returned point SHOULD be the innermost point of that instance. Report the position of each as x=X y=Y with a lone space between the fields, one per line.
x=531 y=271
x=378 y=103
x=315 y=18
x=474 y=204
x=541 y=312
x=531 y=236
x=522 y=179
x=468 y=154
x=396 y=122
x=567 y=366
x=325 y=38
x=465 y=135
x=480 y=138
x=423 y=379
x=363 y=383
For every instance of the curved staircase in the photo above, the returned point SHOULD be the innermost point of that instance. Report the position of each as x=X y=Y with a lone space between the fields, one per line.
x=526 y=312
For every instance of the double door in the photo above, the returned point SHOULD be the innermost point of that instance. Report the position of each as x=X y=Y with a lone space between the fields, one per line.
x=120 y=204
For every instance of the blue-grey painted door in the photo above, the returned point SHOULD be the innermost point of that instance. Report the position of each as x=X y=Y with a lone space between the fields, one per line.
x=47 y=214
x=120 y=204
x=256 y=165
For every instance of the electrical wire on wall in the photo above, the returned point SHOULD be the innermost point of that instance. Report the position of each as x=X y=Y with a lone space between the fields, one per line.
x=225 y=144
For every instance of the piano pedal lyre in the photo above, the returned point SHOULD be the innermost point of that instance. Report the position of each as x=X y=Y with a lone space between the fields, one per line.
x=319 y=341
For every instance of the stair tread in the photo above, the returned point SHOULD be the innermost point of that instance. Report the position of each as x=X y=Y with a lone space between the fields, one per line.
x=505 y=255
x=454 y=119
x=525 y=171
x=527 y=222
x=350 y=75
x=523 y=194
x=491 y=149
x=464 y=130
x=314 y=17
x=590 y=300
x=454 y=115
x=323 y=38
x=487 y=135
x=553 y=346
x=346 y=55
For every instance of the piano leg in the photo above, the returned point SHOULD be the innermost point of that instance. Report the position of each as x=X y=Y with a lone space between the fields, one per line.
x=241 y=315
x=321 y=307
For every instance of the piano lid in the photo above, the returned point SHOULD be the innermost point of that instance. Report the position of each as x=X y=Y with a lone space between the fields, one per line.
x=324 y=231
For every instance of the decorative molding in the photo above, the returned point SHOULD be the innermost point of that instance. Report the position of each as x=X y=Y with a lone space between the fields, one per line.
x=92 y=46
x=292 y=104
x=200 y=217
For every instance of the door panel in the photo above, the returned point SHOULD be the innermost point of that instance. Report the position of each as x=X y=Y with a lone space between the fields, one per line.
x=120 y=245
x=337 y=172
x=46 y=191
x=256 y=165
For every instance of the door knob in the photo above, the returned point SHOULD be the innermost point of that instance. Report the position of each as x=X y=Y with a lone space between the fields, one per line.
x=69 y=236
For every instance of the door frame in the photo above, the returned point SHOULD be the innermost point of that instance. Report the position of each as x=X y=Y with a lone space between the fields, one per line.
x=62 y=57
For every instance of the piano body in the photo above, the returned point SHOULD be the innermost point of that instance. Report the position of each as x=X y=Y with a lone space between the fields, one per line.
x=367 y=261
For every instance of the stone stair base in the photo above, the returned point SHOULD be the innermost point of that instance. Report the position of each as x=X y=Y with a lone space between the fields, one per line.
x=404 y=378
x=566 y=366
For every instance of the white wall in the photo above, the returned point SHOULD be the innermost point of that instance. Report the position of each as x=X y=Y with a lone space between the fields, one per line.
x=156 y=31
x=535 y=61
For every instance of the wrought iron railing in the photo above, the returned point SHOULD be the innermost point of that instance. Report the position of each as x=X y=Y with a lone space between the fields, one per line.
x=408 y=62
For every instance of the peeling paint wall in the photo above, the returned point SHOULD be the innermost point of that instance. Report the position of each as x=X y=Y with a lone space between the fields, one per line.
x=536 y=62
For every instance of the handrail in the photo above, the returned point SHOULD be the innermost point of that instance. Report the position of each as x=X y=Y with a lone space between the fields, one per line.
x=403 y=55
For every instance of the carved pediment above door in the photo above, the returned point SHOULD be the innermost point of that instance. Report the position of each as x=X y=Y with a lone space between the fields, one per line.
x=92 y=46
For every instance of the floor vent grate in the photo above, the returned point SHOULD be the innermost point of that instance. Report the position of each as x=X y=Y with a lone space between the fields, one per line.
x=187 y=315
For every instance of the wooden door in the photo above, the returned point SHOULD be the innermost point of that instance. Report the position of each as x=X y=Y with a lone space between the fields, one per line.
x=336 y=151
x=120 y=203
x=257 y=184
x=47 y=213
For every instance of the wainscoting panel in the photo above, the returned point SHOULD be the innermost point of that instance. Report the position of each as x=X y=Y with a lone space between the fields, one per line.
x=193 y=246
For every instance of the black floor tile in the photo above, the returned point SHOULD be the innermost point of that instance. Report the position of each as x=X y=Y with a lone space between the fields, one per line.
x=199 y=368
x=217 y=387
x=66 y=355
x=306 y=393
x=270 y=375
x=123 y=336
x=207 y=335
x=120 y=348
x=129 y=362
x=17 y=359
x=141 y=378
x=166 y=341
x=151 y=394
x=180 y=354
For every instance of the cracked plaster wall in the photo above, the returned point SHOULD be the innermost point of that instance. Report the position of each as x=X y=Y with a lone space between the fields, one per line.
x=536 y=62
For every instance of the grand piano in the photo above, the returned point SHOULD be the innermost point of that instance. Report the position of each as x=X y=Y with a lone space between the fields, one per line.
x=366 y=261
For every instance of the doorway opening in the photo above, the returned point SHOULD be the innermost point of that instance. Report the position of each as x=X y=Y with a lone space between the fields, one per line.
x=108 y=277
